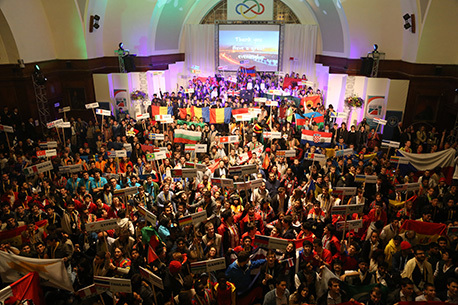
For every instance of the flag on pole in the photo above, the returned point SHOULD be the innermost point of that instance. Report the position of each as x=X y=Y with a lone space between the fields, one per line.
x=26 y=288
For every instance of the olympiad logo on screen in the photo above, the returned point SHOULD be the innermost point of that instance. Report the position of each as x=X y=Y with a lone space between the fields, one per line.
x=250 y=9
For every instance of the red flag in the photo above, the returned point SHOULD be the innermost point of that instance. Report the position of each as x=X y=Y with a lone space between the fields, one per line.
x=27 y=288
x=266 y=163
x=427 y=232
x=152 y=256
x=183 y=113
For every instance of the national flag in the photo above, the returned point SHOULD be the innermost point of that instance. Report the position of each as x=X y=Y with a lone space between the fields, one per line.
x=217 y=115
x=14 y=237
x=360 y=178
x=427 y=232
x=187 y=136
x=312 y=100
x=316 y=138
x=333 y=114
x=52 y=271
x=196 y=112
x=266 y=162
x=261 y=240
x=249 y=71
x=311 y=187
x=206 y=114
x=269 y=120
x=152 y=256
x=301 y=120
x=257 y=128
x=150 y=236
x=26 y=288
x=288 y=261
x=158 y=110
x=183 y=112
x=87 y=292
x=190 y=147
x=394 y=159
x=369 y=156
x=240 y=111
x=185 y=220
x=315 y=117
x=425 y=161
x=233 y=92
x=214 y=165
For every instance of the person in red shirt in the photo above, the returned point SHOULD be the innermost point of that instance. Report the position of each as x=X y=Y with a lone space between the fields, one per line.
x=306 y=232
x=321 y=256
x=375 y=214
x=224 y=291
x=253 y=217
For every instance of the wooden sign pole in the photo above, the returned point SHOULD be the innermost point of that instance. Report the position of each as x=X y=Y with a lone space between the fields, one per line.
x=8 y=140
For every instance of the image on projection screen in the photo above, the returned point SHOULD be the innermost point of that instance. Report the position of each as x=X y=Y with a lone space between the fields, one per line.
x=252 y=45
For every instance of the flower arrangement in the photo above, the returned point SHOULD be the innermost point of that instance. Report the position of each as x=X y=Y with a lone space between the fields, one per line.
x=354 y=101
x=138 y=95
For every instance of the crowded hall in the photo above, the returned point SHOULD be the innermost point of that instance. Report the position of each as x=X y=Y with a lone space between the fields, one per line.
x=228 y=152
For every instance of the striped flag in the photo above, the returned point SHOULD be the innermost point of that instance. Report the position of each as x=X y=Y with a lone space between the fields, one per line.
x=187 y=136
x=102 y=283
x=199 y=267
x=289 y=261
x=301 y=120
x=261 y=240
x=315 y=117
x=316 y=138
x=360 y=178
x=87 y=292
x=190 y=147
x=185 y=220
x=157 y=110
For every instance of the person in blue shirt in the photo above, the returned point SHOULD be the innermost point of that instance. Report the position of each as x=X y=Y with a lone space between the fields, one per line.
x=73 y=183
x=239 y=273
x=98 y=182
x=86 y=181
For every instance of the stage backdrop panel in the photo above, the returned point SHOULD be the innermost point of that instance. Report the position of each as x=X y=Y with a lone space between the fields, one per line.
x=200 y=48
x=250 y=10
x=300 y=43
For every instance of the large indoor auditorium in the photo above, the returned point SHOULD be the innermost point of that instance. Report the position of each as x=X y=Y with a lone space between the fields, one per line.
x=228 y=152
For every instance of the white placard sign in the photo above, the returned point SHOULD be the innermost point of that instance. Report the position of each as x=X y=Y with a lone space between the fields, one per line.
x=286 y=153
x=54 y=123
x=154 y=279
x=346 y=191
x=393 y=144
x=6 y=128
x=270 y=242
x=48 y=145
x=102 y=225
x=156 y=156
x=201 y=148
x=156 y=136
x=64 y=125
x=255 y=183
x=92 y=105
x=345 y=152
x=103 y=112
x=379 y=121
x=142 y=116
x=272 y=135
x=147 y=215
x=249 y=169
x=76 y=168
x=64 y=109
x=350 y=225
x=260 y=99
x=272 y=103
x=314 y=157
x=117 y=153
x=126 y=191
x=163 y=117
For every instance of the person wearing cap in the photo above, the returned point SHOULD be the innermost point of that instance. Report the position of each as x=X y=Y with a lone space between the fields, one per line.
x=174 y=278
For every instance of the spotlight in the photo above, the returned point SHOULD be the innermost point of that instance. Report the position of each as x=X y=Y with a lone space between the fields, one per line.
x=121 y=46
x=37 y=68
x=94 y=23
x=96 y=26
x=96 y=17
x=406 y=17
x=375 y=47
x=407 y=26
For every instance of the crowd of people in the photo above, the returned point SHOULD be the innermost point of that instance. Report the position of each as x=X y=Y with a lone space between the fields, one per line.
x=377 y=263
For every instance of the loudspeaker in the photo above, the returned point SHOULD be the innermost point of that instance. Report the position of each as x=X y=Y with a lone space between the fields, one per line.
x=366 y=66
x=129 y=63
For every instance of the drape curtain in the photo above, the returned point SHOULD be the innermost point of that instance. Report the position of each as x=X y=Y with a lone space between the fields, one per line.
x=300 y=43
x=200 y=47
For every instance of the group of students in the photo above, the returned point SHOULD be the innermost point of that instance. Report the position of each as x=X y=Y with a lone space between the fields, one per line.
x=376 y=264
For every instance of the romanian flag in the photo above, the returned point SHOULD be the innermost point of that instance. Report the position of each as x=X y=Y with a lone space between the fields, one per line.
x=196 y=112
x=427 y=232
x=206 y=114
x=156 y=110
x=312 y=100
x=187 y=136
x=216 y=116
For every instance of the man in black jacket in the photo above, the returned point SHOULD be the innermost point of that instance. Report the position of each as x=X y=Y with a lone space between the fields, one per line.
x=403 y=294
x=334 y=294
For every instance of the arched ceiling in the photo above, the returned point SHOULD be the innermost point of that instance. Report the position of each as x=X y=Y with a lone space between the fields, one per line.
x=37 y=30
